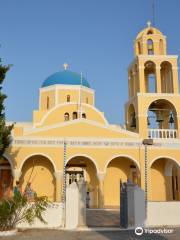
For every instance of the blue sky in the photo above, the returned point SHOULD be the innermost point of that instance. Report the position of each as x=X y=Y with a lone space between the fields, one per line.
x=93 y=36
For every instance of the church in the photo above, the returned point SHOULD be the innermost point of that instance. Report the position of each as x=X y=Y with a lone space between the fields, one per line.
x=69 y=138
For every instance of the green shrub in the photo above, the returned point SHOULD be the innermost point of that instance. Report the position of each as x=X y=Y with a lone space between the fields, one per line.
x=18 y=209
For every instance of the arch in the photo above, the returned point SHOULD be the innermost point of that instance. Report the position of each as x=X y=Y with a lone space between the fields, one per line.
x=163 y=170
x=66 y=116
x=150 y=76
x=164 y=114
x=74 y=115
x=131 y=116
x=83 y=115
x=164 y=157
x=150 y=46
x=38 y=154
x=71 y=103
x=123 y=156
x=86 y=156
x=161 y=47
x=166 y=77
x=82 y=165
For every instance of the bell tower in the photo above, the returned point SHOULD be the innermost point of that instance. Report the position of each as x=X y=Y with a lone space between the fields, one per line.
x=153 y=104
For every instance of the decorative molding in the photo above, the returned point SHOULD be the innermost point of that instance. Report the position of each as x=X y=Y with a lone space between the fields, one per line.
x=66 y=104
x=64 y=87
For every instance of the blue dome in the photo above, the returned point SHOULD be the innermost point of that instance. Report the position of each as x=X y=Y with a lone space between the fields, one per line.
x=65 y=77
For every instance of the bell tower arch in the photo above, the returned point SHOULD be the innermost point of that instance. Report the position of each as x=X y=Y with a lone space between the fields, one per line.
x=153 y=81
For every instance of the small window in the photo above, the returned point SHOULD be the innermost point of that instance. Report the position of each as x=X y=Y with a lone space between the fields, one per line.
x=87 y=100
x=83 y=115
x=47 y=103
x=74 y=115
x=149 y=32
x=66 y=117
x=68 y=98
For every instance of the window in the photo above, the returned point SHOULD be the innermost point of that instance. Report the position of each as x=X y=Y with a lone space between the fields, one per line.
x=66 y=117
x=83 y=115
x=68 y=98
x=74 y=115
x=150 y=47
x=47 y=103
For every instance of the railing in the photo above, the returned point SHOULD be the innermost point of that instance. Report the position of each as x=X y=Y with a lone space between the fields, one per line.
x=162 y=133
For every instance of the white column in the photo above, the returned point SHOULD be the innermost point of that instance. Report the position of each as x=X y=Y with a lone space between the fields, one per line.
x=16 y=175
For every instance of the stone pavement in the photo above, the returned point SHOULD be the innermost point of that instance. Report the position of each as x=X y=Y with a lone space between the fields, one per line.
x=103 y=218
x=45 y=234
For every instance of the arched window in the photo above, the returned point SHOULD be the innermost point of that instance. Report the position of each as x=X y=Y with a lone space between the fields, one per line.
x=66 y=117
x=139 y=48
x=150 y=77
x=83 y=115
x=161 y=49
x=150 y=47
x=166 y=77
x=47 y=103
x=74 y=115
x=68 y=98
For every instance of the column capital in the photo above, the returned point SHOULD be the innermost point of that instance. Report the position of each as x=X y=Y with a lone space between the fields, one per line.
x=58 y=175
x=16 y=173
x=101 y=176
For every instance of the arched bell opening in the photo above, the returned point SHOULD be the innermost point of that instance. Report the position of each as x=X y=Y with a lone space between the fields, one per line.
x=166 y=77
x=162 y=119
x=150 y=47
x=150 y=77
x=131 y=118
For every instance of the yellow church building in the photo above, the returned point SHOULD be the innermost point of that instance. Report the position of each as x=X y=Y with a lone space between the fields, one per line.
x=69 y=138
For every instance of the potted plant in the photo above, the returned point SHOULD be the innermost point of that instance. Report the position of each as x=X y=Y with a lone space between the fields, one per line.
x=18 y=209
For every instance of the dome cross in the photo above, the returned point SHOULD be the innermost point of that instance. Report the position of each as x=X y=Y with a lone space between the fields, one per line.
x=65 y=65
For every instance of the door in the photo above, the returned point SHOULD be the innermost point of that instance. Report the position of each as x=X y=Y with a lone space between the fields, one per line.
x=6 y=183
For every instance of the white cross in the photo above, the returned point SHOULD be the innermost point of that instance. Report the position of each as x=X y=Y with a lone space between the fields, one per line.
x=65 y=65
x=149 y=24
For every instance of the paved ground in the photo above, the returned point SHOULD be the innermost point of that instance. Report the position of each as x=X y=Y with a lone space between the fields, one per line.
x=93 y=235
x=103 y=218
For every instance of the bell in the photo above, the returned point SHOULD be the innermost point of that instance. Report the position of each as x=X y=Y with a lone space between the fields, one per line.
x=171 y=119
x=133 y=121
x=159 y=117
x=148 y=122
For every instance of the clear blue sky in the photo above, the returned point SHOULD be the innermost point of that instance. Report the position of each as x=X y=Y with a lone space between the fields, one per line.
x=93 y=36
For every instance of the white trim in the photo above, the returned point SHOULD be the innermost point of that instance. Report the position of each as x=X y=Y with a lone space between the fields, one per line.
x=159 y=95
x=165 y=157
x=121 y=155
x=64 y=87
x=94 y=123
x=38 y=154
x=148 y=57
x=84 y=155
x=70 y=103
